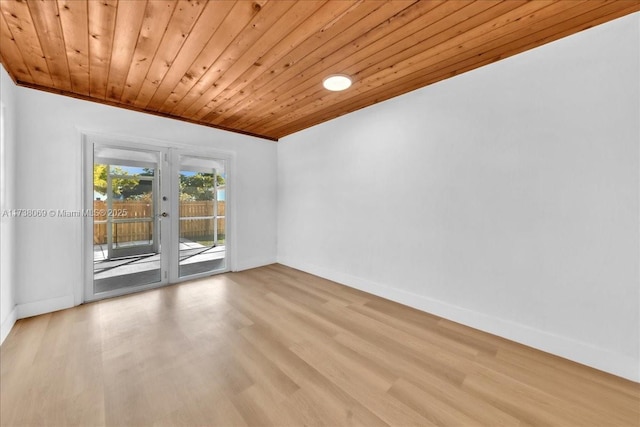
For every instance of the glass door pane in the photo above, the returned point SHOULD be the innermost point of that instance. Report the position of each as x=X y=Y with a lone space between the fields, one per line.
x=201 y=216
x=131 y=212
x=126 y=234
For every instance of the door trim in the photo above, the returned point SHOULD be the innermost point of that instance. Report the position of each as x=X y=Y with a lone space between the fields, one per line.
x=175 y=153
x=87 y=139
x=88 y=285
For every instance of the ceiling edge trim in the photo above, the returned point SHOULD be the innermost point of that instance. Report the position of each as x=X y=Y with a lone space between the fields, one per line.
x=137 y=109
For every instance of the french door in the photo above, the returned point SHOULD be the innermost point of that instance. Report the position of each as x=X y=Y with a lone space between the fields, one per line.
x=201 y=217
x=153 y=216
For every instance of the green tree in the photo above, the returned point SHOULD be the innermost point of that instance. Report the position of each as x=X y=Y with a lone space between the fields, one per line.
x=192 y=188
x=198 y=186
x=125 y=187
x=100 y=179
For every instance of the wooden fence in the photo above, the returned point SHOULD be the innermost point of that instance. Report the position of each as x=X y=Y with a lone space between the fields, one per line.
x=193 y=229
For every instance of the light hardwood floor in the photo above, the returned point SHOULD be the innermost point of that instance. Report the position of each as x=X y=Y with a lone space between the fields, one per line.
x=275 y=346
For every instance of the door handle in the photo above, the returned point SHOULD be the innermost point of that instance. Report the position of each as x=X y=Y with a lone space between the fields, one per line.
x=164 y=214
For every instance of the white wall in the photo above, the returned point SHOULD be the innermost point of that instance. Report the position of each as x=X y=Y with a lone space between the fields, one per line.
x=8 y=312
x=506 y=198
x=48 y=251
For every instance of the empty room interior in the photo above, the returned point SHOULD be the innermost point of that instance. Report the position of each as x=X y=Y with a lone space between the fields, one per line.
x=320 y=212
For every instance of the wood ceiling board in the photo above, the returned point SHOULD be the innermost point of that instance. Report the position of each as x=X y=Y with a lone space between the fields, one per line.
x=74 y=22
x=169 y=59
x=198 y=37
x=207 y=70
x=284 y=69
x=387 y=53
x=451 y=66
x=358 y=19
x=140 y=110
x=256 y=67
x=125 y=36
x=20 y=24
x=409 y=61
x=255 y=30
x=477 y=49
x=154 y=25
x=46 y=20
x=268 y=59
x=11 y=55
x=252 y=54
x=102 y=23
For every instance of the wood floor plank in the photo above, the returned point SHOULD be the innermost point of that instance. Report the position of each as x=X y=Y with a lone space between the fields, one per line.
x=592 y=398
x=360 y=386
x=274 y=346
x=341 y=408
x=526 y=402
x=262 y=371
x=317 y=284
x=429 y=405
x=545 y=364
x=427 y=335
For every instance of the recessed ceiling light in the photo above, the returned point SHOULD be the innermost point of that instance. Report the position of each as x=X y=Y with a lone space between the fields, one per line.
x=336 y=82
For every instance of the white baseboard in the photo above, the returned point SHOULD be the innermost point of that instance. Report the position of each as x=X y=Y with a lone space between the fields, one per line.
x=45 y=306
x=577 y=351
x=8 y=323
x=254 y=263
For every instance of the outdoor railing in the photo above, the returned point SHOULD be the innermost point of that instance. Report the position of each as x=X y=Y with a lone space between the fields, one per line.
x=195 y=229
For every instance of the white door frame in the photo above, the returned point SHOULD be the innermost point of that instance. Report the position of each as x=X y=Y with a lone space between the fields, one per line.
x=174 y=155
x=169 y=166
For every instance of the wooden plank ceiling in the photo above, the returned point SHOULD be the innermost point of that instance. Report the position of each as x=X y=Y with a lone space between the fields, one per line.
x=256 y=67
